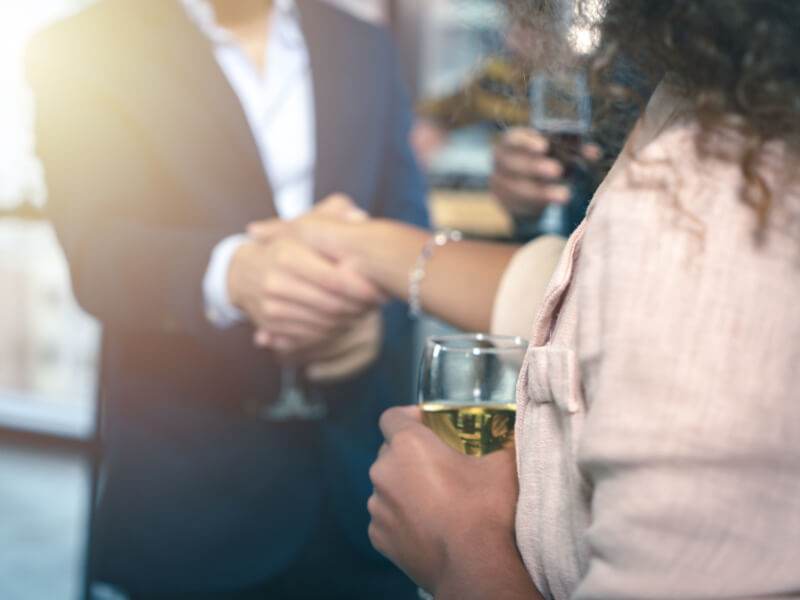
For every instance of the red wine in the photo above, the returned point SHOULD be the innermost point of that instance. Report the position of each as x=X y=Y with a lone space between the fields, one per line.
x=567 y=148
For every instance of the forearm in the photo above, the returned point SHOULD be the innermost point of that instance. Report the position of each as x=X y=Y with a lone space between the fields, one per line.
x=387 y=251
x=495 y=570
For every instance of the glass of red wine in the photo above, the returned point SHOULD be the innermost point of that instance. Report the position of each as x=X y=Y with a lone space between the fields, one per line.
x=561 y=110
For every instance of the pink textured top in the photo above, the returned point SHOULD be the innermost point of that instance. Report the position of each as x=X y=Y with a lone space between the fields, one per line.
x=658 y=428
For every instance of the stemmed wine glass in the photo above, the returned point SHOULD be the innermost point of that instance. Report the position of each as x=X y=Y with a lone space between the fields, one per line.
x=293 y=401
x=561 y=110
x=467 y=392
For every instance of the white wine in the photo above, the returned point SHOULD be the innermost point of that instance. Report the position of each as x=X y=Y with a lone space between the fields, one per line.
x=472 y=429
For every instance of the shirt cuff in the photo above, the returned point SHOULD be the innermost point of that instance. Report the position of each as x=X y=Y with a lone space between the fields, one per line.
x=220 y=312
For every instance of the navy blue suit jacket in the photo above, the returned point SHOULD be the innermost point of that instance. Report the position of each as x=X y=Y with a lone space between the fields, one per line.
x=150 y=162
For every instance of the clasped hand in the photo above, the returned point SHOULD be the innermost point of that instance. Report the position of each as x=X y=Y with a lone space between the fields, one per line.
x=296 y=298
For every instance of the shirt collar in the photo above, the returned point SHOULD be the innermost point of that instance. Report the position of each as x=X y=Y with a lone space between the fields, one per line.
x=202 y=13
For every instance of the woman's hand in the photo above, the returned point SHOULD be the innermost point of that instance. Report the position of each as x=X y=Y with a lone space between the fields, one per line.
x=327 y=228
x=435 y=511
x=526 y=178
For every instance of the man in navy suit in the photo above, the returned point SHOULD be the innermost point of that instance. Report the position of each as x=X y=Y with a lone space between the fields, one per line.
x=165 y=127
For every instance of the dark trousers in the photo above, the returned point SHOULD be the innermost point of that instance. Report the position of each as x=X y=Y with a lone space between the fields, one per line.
x=326 y=570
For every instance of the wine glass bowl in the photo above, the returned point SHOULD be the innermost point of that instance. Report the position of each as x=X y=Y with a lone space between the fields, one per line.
x=467 y=390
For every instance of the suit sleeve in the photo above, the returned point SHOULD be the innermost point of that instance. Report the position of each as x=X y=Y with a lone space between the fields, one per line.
x=403 y=189
x=403 y=192
x=108 y=203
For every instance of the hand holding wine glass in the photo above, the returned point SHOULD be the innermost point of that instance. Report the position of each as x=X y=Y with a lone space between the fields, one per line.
x=433 y=506
x=527 y=176
x=426 y=508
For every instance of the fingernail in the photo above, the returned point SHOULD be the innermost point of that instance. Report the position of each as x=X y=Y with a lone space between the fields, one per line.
x=357 y=215
x=555 y=170
x=592 y=152
x=539 y=145
x=561 y=197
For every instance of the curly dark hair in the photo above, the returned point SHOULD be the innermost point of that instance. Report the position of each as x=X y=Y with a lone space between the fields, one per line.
x=737 y=61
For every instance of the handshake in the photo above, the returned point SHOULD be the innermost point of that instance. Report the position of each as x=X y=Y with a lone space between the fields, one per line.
x=310 y=306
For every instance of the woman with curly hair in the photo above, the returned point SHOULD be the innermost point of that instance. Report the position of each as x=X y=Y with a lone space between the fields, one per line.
x=658 y=422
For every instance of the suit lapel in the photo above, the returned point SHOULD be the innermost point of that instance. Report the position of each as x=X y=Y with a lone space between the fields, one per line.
x=189 y=70
x=347 y=158
x=314 y=34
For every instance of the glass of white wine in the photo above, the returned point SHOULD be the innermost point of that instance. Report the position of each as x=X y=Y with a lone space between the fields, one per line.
x=467 y=390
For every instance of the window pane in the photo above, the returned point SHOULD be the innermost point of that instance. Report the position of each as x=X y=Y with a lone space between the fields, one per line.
x=48 y=346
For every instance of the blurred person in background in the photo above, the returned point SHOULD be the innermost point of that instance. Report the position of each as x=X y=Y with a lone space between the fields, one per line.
x=657 y=418
x=529 y=174
x=241 y=382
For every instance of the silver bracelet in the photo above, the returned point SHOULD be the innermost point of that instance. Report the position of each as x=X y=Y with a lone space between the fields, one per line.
x=417 y=274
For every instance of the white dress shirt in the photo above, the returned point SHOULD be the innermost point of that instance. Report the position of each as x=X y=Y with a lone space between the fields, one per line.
x=279 y=105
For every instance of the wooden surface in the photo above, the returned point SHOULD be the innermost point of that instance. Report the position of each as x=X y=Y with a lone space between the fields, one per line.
x=474 y=213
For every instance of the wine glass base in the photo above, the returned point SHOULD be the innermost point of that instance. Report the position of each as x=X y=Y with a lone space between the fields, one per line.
x=293 y=404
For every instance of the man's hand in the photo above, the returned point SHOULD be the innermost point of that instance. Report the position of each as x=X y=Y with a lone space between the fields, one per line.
x=295 y=297
x=348 y=354
x=525 y=178
x=340 y=207
x=326 y=229
x=433 y=509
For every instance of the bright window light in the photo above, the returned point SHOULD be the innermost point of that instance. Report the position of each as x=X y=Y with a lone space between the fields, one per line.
x=20 y=174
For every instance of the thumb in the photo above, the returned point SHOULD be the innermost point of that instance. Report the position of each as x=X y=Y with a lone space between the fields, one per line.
x=340 y=206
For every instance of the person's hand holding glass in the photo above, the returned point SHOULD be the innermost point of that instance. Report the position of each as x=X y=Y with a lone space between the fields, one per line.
x=467 y=388
x=467 y=393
